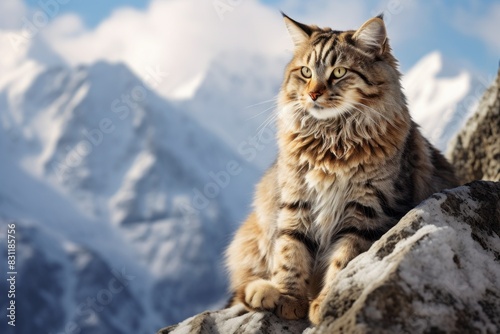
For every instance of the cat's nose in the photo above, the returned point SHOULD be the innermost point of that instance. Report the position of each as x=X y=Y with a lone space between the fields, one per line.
x=314 y=95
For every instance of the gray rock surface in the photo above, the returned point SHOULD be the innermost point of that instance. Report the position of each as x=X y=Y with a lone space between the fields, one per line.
x=436 y=271
x=237 y=320
x=475 y=152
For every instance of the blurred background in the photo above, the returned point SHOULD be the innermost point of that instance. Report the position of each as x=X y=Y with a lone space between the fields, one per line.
x=132 y=133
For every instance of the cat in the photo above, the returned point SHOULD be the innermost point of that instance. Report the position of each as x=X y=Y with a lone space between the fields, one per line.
x=351 y=163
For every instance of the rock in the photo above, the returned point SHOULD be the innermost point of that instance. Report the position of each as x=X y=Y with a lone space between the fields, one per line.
x=237 y=320
x=437 y=270
x=475 y=152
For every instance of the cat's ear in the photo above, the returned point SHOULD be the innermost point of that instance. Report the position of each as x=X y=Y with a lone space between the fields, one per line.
x=299 y=32
x=372 y=35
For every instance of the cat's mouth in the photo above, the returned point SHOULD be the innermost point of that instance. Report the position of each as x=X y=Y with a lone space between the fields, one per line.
x=318 y=105
x=320 y=112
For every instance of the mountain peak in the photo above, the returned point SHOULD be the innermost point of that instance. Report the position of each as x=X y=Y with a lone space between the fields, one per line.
x=435 y=92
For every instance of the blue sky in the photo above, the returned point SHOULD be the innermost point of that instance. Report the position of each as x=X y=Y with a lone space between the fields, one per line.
x=94 y=11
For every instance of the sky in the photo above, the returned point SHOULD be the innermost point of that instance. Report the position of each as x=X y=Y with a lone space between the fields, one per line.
x=182 y=37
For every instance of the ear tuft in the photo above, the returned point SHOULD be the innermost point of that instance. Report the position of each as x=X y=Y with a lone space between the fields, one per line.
x=372 y=35
x=299 y=32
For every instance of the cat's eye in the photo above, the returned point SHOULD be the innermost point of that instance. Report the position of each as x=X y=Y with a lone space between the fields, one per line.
x=339 y=72
x=306 y=72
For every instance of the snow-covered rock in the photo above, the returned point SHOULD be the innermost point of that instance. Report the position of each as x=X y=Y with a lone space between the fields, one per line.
x=475 y=151
x=237 y=320
x=437 y=270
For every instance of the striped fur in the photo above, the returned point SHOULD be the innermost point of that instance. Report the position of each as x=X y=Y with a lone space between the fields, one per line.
x=351 y=163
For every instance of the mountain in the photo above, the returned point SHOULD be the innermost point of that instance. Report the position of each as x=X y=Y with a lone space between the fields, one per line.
x=441 y=97
x=106 y=181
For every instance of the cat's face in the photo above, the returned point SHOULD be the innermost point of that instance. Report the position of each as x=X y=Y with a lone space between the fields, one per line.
x=336 y=73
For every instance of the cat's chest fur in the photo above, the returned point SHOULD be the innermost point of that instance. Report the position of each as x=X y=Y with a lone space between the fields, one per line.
x=328 y=193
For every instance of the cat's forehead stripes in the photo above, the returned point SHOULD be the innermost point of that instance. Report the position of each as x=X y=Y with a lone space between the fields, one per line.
x=323 y=50
x=323 y=47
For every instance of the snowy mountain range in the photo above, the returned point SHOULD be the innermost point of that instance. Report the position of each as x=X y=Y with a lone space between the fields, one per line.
x=100 y=176
x=124 y=201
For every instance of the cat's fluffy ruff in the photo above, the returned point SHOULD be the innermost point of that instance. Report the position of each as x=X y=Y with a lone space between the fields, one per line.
x=351 y=163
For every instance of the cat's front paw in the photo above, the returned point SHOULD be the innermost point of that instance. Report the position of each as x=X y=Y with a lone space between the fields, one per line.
x=315 y=310
x=262 y=295
x=292 y=308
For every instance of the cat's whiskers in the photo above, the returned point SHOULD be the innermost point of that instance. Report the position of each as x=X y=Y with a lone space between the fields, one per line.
x=343 y=111
x=274 y=99
x=274 y=104
x=288 y=120
x=350 y=112
x=262 y=112
x=269 y=120
x=365 y=114
x=387 y=118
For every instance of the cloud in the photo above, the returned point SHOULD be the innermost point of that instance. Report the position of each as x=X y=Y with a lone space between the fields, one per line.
x=11 y=20
x=180 y=37
x=11 y=14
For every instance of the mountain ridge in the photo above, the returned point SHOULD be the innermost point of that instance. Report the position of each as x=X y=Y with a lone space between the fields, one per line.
x=127 y=197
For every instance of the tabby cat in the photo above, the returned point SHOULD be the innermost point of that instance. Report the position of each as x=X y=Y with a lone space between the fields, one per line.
x=351 y=163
